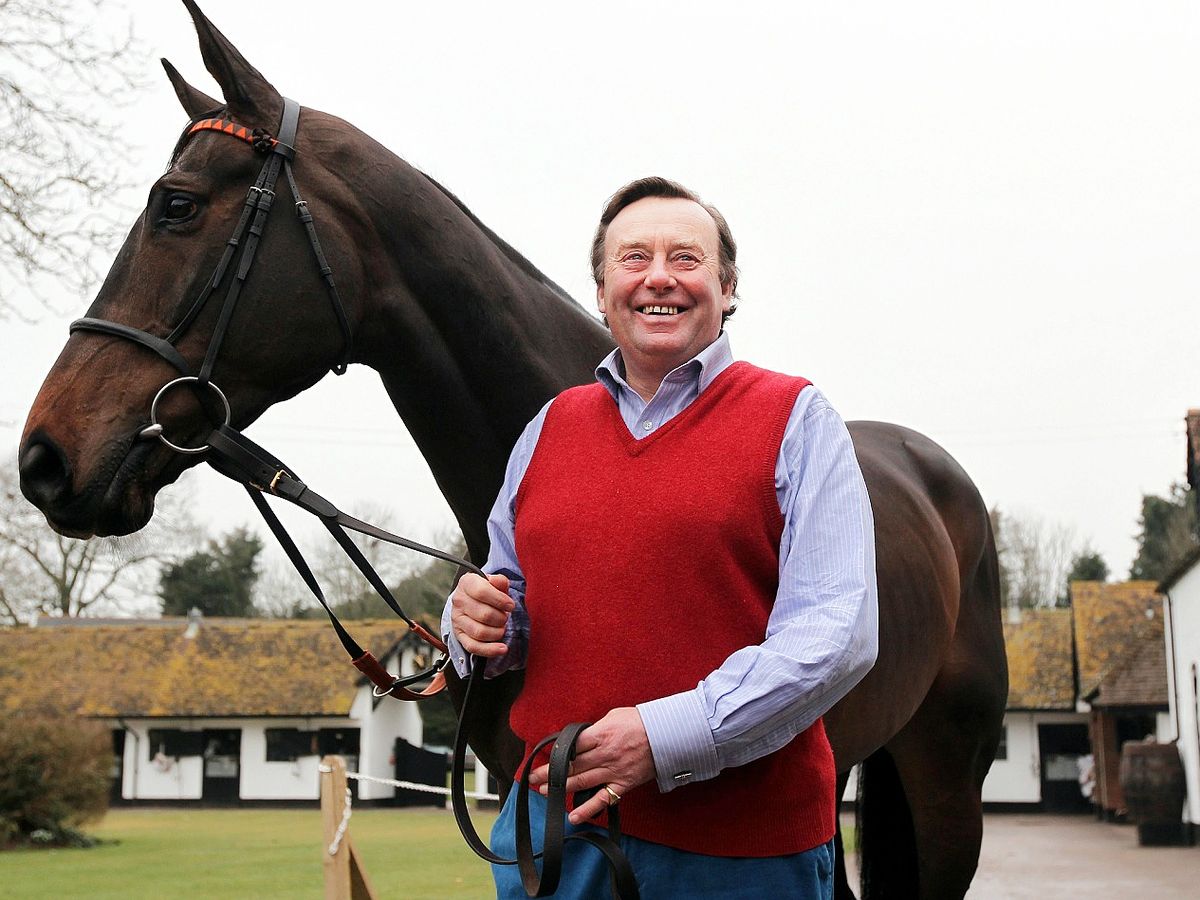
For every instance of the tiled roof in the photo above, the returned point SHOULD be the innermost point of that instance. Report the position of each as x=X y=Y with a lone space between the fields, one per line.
x=229 y=667
x=1139 y=680
x=1039 y=660
x=1113 y=622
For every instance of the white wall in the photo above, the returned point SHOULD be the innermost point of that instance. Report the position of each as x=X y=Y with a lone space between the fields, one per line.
x=389 y=720
x=263 y=780
x=1017 y=778
x=167 y=779
x=1183 y=635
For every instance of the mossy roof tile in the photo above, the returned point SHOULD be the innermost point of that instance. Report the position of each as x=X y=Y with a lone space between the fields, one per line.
x=242 y=667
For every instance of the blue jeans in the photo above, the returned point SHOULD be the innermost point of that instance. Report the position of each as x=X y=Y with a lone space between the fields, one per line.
x=663 y=873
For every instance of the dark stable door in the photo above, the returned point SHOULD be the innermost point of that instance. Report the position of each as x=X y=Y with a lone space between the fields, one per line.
x=222 y=765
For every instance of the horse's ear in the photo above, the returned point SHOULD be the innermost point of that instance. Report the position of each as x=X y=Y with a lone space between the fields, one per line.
x=195 y=102
x=247 y=94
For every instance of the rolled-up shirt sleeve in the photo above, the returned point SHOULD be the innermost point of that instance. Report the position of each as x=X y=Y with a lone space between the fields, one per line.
x=822 y=634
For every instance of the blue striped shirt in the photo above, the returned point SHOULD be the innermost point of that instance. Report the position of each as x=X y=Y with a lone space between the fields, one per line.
x=822 y=634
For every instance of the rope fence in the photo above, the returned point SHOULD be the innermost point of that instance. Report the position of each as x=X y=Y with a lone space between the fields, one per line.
x=345 y=877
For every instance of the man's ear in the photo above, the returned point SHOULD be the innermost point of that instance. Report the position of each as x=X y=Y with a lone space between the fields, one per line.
x=600 y=298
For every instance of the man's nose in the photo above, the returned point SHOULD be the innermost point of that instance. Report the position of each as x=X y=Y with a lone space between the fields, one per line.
x=658 y=277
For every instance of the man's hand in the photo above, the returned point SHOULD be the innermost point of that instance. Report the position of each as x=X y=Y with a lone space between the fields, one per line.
x=479 y=612
x=615 y=752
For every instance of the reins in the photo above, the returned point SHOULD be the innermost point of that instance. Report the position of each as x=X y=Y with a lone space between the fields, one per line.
x=235 y=456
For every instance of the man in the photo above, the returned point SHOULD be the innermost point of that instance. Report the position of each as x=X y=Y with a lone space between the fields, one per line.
x=683 y=554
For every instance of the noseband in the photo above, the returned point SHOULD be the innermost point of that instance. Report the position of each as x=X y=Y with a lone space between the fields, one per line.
x=237 y=457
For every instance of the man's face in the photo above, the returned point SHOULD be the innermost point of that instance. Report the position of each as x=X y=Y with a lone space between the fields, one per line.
x=662 y=290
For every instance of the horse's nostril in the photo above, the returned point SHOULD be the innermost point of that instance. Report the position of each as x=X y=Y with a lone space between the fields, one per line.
x=44 y=474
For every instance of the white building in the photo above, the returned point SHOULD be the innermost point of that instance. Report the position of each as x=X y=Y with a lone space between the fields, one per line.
x=1044 y=732
x=1183 y=668
x=219 y=710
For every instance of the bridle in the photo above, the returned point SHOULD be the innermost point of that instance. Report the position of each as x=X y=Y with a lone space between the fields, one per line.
x=237 y=457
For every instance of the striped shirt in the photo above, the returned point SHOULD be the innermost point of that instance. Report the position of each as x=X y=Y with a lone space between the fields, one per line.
x=822 y=634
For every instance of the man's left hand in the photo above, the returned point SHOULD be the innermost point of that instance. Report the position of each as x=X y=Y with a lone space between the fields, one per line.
x=613 y=751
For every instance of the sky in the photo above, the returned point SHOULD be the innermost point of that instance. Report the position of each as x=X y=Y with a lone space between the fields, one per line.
x=976 y=220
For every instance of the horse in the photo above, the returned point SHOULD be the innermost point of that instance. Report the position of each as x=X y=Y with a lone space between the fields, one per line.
x=470 y=340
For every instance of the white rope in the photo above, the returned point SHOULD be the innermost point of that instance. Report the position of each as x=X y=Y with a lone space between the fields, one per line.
x=413 y=786
x=341 y=829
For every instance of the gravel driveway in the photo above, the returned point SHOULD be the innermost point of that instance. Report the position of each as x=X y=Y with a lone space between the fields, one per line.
x=1044 y=857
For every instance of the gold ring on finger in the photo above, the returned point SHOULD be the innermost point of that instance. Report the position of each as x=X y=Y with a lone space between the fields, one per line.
x=613 y=797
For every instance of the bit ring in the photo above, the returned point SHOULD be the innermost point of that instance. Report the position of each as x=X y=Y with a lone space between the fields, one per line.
x=155 y=427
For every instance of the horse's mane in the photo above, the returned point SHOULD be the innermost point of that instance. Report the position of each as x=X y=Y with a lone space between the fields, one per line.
x=503 y=246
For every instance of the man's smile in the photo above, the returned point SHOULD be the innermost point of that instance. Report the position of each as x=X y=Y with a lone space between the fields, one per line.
x=659 y=310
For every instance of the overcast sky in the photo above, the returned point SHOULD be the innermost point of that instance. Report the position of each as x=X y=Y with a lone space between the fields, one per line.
x=977 y=220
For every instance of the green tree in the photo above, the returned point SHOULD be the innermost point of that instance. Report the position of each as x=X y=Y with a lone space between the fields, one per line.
x=1088 y=565
x=218 y=581
x=1167 y=533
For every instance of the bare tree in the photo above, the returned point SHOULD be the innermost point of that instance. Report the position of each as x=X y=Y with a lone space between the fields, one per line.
x=43 y=573
x=415 y=579
x=62 y=73
x=1035 y=557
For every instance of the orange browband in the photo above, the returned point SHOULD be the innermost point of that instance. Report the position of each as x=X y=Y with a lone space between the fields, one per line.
x=258 y=137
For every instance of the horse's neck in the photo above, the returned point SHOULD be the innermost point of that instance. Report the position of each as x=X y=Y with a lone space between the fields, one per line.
x=469 y=338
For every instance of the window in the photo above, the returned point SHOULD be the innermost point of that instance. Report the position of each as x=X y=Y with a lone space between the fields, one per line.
x=289 y=744
x=1002 y=747
x=342 y=741
x=174 y=742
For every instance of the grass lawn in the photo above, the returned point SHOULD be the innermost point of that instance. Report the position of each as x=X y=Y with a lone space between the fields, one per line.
x=172 y=853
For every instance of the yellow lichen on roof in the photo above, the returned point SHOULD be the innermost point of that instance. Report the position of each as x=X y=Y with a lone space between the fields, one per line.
x=1112 y=623
x=241 y=667
x=1038 y=646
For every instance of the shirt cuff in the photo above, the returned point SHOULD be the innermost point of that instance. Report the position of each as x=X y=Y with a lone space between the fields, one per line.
x=462 y=660
x=681 y=740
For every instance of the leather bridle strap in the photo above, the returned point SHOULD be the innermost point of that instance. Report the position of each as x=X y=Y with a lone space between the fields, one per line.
x=623 y=883
x=240 y=459
x=237 y=457
x=247 y=235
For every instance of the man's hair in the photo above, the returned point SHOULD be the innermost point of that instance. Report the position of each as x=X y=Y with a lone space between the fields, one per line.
x=654 y=186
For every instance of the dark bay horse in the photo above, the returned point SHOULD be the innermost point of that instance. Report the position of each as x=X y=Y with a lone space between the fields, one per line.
x=470 y=340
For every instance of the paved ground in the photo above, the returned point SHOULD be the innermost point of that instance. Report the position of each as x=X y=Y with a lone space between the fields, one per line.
x=1034 y=857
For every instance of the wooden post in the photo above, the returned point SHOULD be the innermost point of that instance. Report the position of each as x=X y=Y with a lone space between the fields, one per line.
x=345 y=877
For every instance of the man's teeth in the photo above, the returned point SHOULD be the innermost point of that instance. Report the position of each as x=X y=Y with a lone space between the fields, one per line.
x=660 y=310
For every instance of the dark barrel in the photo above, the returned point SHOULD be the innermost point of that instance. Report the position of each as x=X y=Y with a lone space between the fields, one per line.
x=1153 y=782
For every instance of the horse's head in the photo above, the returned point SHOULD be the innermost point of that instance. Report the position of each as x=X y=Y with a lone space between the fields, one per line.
x=83 y=459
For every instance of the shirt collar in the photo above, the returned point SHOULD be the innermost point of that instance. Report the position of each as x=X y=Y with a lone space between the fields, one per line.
x=701 y=368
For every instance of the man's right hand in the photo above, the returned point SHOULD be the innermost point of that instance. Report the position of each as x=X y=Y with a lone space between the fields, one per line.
x=479 y=612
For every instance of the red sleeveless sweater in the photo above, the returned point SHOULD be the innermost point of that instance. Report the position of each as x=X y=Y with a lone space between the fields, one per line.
x=647 y=563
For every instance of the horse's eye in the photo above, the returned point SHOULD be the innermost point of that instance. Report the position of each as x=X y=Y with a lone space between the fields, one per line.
x=179 y=209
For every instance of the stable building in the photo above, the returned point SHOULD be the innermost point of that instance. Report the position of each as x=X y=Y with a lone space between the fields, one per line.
x=1083 y=680
x=219 y=711
x=1122 y=675
x=1045 y=733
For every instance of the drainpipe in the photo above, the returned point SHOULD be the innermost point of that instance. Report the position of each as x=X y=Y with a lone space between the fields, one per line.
x=137 y=756
x=1174 y=673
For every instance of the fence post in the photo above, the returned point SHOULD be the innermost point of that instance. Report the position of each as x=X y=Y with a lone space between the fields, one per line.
x=345 y=877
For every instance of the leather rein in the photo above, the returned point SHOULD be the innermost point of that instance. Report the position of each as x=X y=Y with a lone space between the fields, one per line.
x=235 y=456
